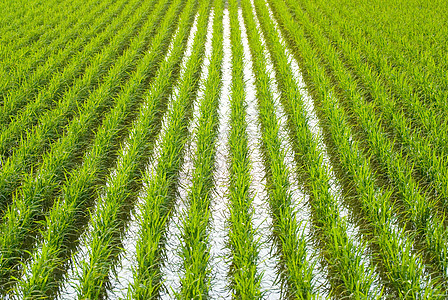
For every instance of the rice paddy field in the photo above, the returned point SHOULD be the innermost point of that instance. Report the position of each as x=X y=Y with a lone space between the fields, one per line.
x=223 y=149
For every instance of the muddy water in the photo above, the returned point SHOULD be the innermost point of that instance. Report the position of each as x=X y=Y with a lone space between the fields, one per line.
x=299 y=198
x=261 y=218
x=172 y=268
x=219 y=210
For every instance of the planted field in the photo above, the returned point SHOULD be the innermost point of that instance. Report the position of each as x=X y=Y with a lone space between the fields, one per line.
x=223 y=149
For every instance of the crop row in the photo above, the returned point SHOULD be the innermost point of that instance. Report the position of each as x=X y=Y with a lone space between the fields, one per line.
x=195 y=241
x=32 y=80
x=421 y=131
x=322 y=75
x=80 y=189
x=29 y=203
x=96 y=110
x=421 y=213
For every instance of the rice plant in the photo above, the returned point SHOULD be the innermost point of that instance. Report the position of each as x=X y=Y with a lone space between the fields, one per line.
x=208 y=149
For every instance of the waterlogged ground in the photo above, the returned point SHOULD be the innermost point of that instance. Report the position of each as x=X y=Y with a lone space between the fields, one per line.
x=251 y=149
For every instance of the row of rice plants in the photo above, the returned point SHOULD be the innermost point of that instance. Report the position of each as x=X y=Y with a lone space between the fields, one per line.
x=80 y=189
x=162 y=181
x=426 y=149
x=418 y=63
x=343 y=256
x=21 y=58
x=307 y=151
x=20 y=20
x=429 y=114
x=20 y=36
x=12 y=16
x=121 y=276
x=48 y=97
x=219 y=209
x=195 y=253
x=38 y=190
x=17 y=98
x=242 y=244
x=109 y=218
x=293 y=270
x=402 y=269
x=52 y=123
x=270 y=285
x=420 y=212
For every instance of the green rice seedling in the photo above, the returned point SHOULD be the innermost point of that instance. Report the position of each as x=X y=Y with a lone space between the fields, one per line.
x=374 y=83
x=378 y=74
x=32 y=28
x=243 y=246
x=81 y=188
x=48 y=97
x=421 y=73
x=419 y=212
x=19 y=23
x=344 y=257
x=29 y=81
x=403 y=271
x=402 y=37
x=16 y=99
x=302 y=139
x=38 y=190
x=162 y=184
x=53 y=122
x=426 y=150
x=195 y=252
x=22 y=57
x=13 y=16
x=109 y=218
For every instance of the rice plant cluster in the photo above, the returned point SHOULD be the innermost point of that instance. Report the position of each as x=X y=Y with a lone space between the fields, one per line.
x=223 y=149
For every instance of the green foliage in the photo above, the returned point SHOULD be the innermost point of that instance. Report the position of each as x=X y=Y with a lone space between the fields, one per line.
x=85 y=85
x=244 y=276
x=195 y=250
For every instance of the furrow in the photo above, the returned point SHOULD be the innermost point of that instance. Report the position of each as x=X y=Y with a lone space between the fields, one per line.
x=303 y=211
x=171 y=268
x=121 y=276
x=122 y=273
x=346 y=257
x=262 y=219
x=297 y=104
x=218 y=207
x=194 y=235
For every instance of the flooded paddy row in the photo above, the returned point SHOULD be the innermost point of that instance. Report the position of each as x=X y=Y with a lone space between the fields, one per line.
x=220 y=166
